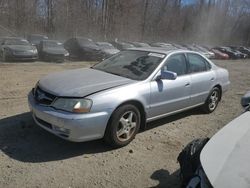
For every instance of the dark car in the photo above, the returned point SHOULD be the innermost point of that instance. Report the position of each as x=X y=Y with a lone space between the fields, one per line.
x=122 y=45
x=242 y=49
x=107 y=48
x=140 y=44
x=232 y=54
x=81 y=48
x=242 y=55
x=14 y=48
x=52 y=50
x=35 y=39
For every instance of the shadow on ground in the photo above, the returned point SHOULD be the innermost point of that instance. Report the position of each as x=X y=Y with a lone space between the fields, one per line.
x=23 y=140
x=166 y=179
x=172 y=118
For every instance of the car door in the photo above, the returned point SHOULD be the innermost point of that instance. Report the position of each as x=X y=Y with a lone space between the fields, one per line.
x=202 y=78
x=168 y=96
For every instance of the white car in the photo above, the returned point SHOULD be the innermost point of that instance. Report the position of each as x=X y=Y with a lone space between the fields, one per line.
x=224 y=160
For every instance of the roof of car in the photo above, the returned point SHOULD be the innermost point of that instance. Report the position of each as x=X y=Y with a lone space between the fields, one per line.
x=159 y=50
x=37 y=35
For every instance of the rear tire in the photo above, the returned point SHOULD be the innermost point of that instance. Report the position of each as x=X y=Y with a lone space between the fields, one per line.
x=212 y=101
x=123 y=126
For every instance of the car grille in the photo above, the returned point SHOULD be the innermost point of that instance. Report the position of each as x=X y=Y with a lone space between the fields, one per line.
x=64 y=133
x=43 y=97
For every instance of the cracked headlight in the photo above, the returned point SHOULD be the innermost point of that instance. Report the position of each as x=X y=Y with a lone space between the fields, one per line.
x=76 y=105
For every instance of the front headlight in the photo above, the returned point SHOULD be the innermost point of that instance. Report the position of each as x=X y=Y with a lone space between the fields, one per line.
x=77 y=105
x=66 y=54
x=35 y=50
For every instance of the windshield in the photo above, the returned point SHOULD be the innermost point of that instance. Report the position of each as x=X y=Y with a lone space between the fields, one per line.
x=135 y=65
x=16 y=42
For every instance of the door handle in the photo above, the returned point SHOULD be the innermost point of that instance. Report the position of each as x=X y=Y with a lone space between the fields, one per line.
x=187 y=84
x=212 y=79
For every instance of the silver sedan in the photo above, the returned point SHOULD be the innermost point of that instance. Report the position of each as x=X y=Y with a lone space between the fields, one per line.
x=118 y=96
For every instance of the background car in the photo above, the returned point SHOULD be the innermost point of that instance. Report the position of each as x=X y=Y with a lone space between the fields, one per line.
x=242 y=49
x=167 y=46
x=179 y=46
x=107 y=48
x=15 y=48
x=208 y=53
x=35 y=39
x=219 y=55
x=201 y=50
x=241 y=54
x=140 y=44
x=232 y=54
x=52 y=50
x=98 y=102
x=122 y=45
x=81 y=48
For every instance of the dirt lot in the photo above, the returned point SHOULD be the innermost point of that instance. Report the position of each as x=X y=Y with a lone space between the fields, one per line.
x=32 y=157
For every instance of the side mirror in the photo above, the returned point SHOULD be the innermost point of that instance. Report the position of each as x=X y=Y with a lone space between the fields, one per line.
x=245 y=100
x=167 y=75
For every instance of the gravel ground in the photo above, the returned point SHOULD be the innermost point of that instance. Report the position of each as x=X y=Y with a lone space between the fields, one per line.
x=32 y=157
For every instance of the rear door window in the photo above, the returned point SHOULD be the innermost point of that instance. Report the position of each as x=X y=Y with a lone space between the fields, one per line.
x=197 y=63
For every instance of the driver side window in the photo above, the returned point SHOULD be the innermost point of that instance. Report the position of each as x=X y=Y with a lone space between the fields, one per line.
x=176 y=63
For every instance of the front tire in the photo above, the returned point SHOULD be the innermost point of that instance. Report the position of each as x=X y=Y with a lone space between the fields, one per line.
x=123 y=126
x=212 y=100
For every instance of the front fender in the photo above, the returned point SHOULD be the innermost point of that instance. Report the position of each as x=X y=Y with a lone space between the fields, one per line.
x=111 y=99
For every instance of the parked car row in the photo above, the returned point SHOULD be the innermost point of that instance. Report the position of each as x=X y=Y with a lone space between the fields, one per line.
x=80 y=48
x=20 y=49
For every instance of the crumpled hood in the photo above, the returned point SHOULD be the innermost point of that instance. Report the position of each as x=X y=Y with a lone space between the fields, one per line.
x=225 y=158
x=20 y=47
x=80 y=82
x=55 y=51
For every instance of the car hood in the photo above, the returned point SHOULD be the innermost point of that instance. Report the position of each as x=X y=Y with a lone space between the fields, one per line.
x=55 y=51
x=225 y=158
x=80 y=82
x=20 y=47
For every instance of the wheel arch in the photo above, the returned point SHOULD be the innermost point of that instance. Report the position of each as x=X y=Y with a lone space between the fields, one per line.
x=140 y=107
x=220 y=89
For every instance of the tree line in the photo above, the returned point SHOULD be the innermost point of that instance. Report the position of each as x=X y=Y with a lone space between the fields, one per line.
x=182 y=21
